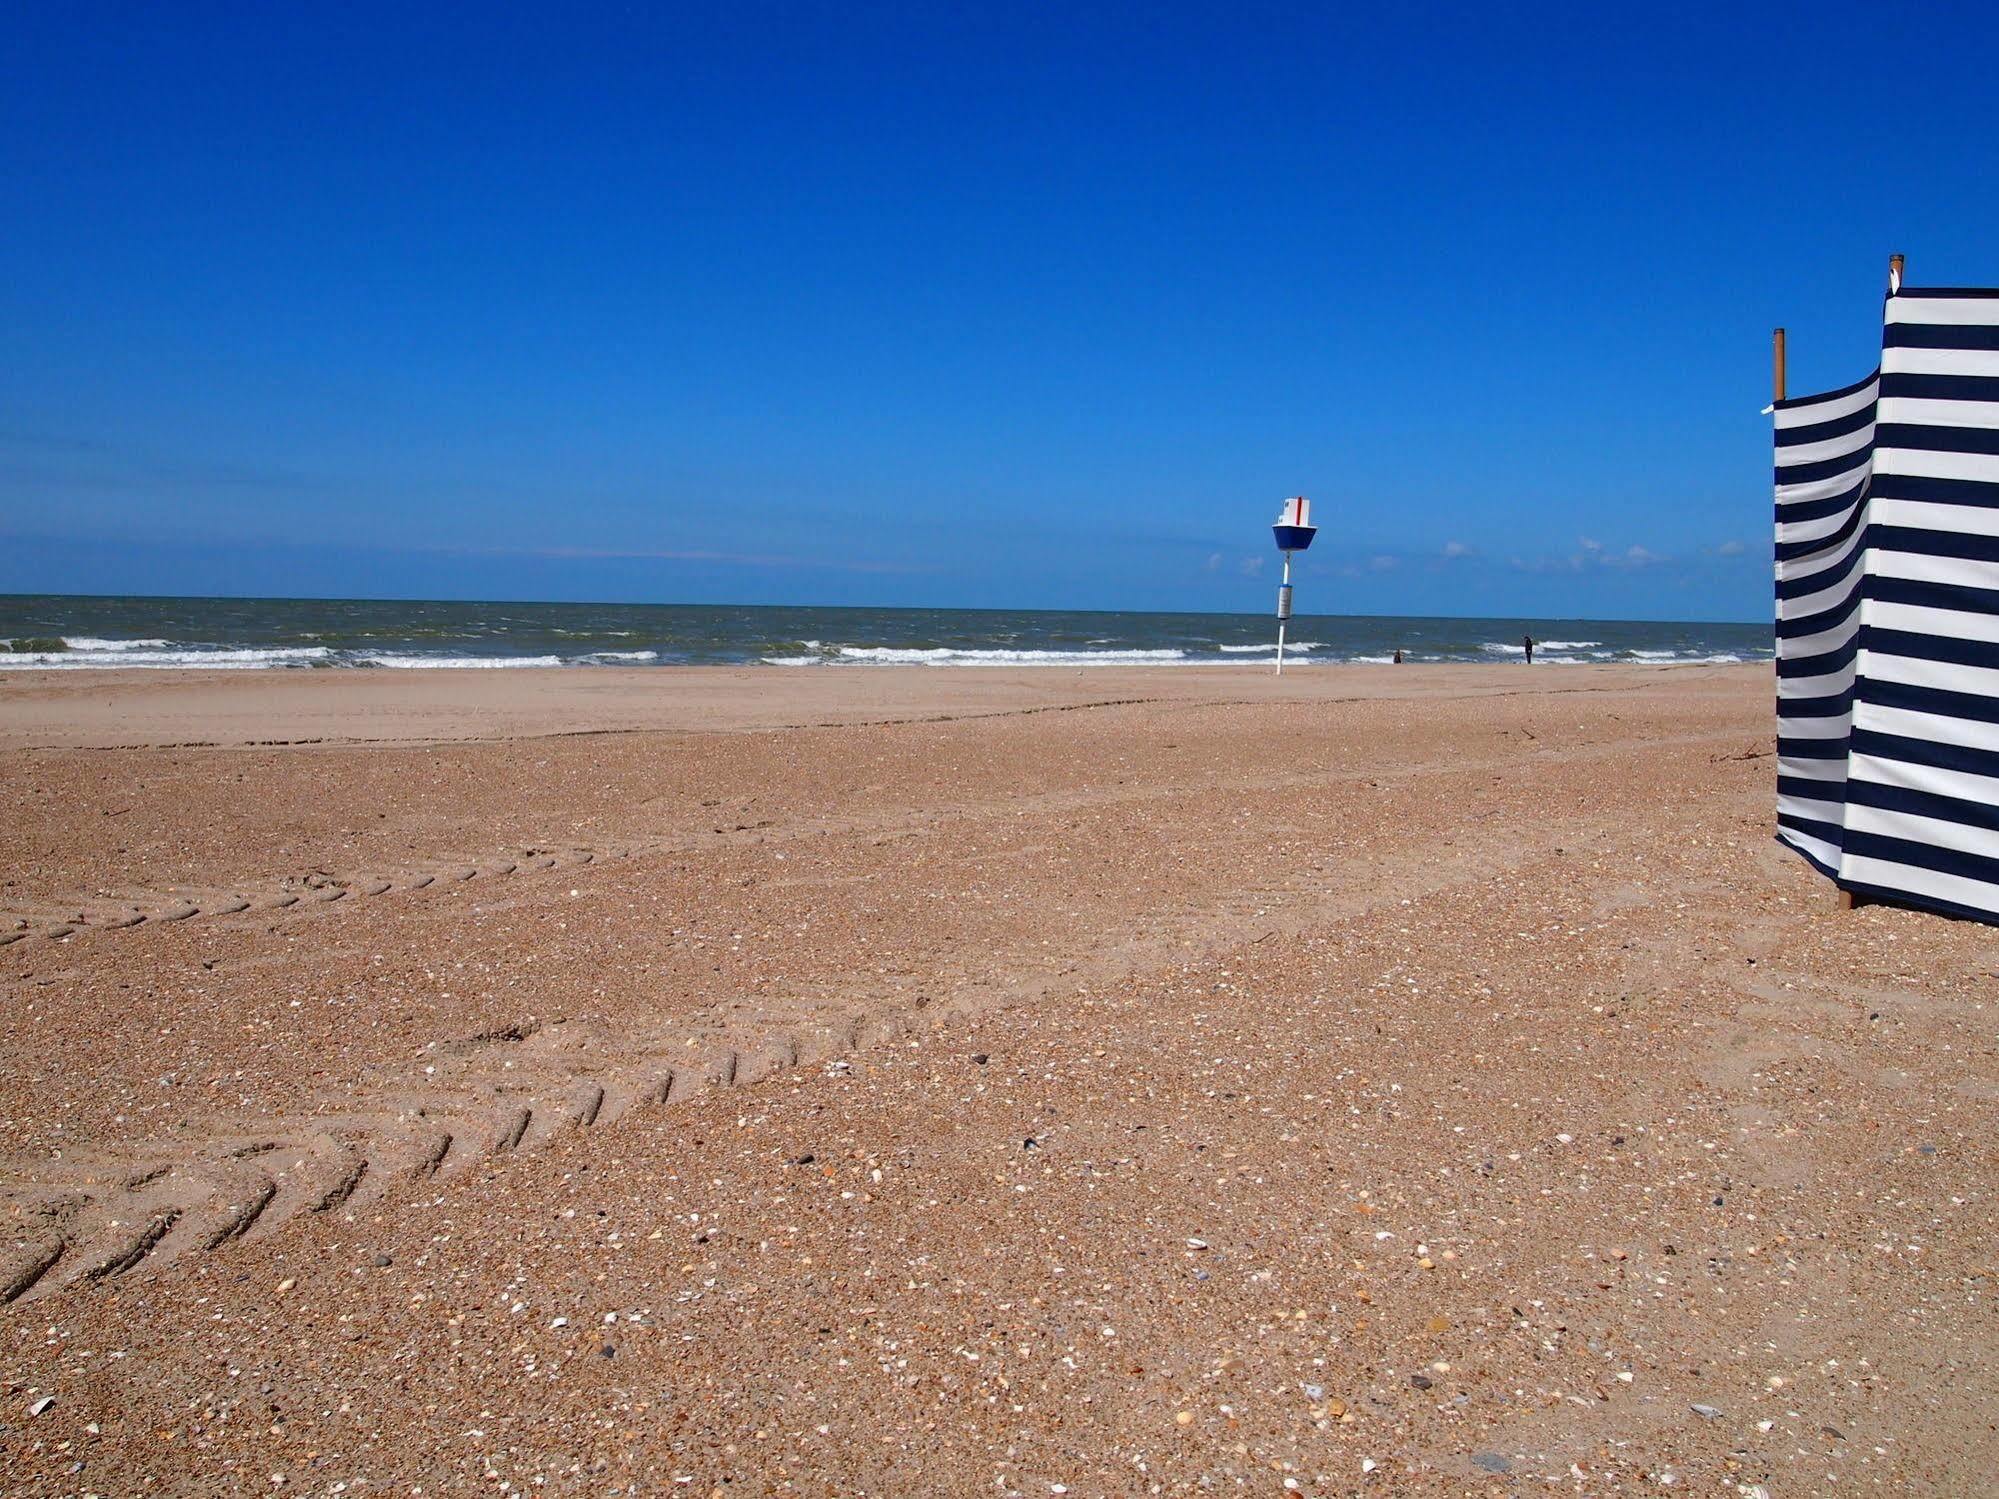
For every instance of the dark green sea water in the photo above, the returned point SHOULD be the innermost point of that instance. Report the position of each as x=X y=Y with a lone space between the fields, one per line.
x=70 y=633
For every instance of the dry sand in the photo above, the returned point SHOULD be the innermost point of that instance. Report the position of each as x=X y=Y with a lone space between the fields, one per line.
x=877 y=1082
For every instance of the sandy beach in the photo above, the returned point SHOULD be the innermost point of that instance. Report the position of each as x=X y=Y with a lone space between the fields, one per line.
x=916 y=1082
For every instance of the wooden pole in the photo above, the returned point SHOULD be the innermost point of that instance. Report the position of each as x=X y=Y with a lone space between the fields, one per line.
x=1777 y=359
x=1895 y=263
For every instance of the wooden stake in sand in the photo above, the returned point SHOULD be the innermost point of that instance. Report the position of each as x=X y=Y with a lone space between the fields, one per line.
x=1896 y=264
x=1847 y=900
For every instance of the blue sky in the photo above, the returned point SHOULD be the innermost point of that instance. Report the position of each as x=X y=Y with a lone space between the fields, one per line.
x=952 y=304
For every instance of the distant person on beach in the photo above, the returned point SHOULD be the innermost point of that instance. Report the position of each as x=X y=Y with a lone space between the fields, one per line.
x=1398 y=655
x=1528 y=642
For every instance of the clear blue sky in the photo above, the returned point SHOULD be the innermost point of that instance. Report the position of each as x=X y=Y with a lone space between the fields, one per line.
x=947 y=304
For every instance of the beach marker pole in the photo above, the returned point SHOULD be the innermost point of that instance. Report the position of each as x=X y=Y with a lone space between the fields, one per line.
x=1294 y=531
x=1283 y=611
x=1777 y=357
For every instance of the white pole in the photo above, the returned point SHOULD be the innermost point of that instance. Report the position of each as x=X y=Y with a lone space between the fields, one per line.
x=1280 y=618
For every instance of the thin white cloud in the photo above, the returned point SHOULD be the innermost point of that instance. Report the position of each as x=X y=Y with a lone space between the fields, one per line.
x=1591 y=555
x=664 y=554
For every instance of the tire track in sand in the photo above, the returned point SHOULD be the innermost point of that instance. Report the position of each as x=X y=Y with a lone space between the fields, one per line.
x=98 y=1215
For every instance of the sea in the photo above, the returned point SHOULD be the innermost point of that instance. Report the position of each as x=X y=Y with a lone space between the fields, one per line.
x=77 y=633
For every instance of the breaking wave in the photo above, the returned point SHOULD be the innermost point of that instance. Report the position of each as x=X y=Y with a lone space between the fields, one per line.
x=453 y=662
x=946 y=655
x=84 y=653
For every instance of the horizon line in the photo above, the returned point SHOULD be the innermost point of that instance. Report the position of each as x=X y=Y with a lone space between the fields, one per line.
x=269 y=598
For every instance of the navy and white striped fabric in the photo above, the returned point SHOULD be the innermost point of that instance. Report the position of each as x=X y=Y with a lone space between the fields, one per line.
x=1888 y=613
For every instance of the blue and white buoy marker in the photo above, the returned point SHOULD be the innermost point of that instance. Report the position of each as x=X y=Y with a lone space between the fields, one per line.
x=1294 y=531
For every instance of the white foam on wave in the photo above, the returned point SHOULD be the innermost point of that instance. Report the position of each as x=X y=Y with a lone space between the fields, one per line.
x=1681 y=658
x=1500 y=648
x=793 y=660
x=621 y=656
x=454 y=663
x=1654 y=658
x=954 y=656
x=92 y=643
x=129 y=656
x=1289 y=646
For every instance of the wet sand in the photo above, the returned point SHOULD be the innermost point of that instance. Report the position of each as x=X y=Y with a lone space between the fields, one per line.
x=149 y=709
x=919 y=1082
